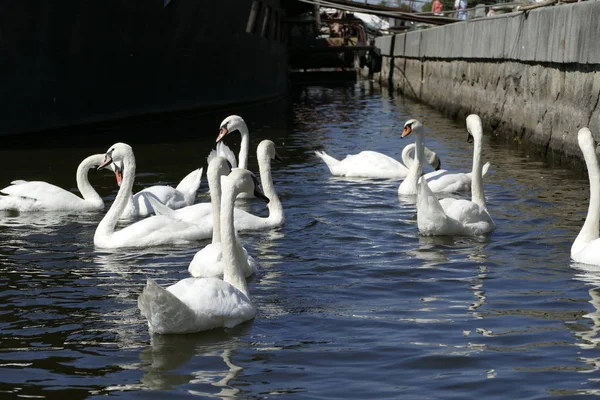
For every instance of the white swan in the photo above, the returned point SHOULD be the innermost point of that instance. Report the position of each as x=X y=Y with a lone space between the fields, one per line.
x=439 y=181
x=152 y=231
x=371 y=164
x=208 y=262
x=245 y=221
x=183 y=195
x=445 y=181
x=586 y=247
x=457 y=216
x=409 y=184
x=230 y=124
x=43 y=196
x=198 y=304
x=222 y=151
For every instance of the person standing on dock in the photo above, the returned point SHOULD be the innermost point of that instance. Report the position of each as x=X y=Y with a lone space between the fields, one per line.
x=461 y=6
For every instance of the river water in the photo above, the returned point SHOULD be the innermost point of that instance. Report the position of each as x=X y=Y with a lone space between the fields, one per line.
x=352 y=302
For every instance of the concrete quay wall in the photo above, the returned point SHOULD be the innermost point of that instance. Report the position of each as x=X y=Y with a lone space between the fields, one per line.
x=533 y=77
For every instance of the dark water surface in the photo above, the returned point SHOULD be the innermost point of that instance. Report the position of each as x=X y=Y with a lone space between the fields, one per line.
x=351 y=302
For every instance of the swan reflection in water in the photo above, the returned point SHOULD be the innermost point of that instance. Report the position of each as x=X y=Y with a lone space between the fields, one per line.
x=25 y=224
x=170 y=360
x=121 y=275
x=434 y=252
x=201 y=360
x=590 y=274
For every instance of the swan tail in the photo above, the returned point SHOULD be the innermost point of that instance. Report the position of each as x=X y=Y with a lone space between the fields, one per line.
x=224 y=151
x=189 y=185
x=331 y=162
x=485 y=168
x=163 y=310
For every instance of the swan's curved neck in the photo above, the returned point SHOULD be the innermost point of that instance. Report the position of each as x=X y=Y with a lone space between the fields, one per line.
x=214 y=186
x=108 y=223
x=416 y=168
x=405 y=156
x=232 y=273
x=244 y=148
x=590 y=228
x=477 y=195
x=83 y=183
x=266 y=179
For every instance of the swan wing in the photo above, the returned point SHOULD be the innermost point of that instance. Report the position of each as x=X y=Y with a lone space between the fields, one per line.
x=201 y=214
x=473 y=219
x=245 y=221
x=224 y=151
x=443 y=172
x=195 y=213
x=214 y=302
x=164 y=311
x=156 y=230
x=189 y=186
x=34 y=190
x=39 y=196
x=458 y=182
x=436 y=174
x=207 y=262
x=366 y=164
x=371 y=164
x=167 y=195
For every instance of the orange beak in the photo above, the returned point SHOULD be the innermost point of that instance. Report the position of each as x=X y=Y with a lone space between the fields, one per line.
x=222 y=133
x=407 y=130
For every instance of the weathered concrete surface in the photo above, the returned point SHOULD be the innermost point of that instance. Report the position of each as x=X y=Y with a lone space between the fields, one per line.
x=533 y=77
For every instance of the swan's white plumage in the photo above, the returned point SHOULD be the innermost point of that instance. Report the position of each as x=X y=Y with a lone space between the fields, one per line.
x=409 y=184
x=28 y=196
x=222 y=150
x=209 y=262
x=181 y=196
x=198 y=304
x=371 y=164
x=152 y=231
x=231 y=124
x=439 y=181
x=586 y=247
x=193 y=305
x=245 y=221
x=451 y=216
x=445 y=181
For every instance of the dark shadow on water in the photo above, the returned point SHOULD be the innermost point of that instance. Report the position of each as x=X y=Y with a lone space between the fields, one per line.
x=149 y=129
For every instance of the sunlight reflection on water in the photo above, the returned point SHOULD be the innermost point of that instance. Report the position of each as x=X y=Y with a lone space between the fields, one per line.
x=352 y=302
